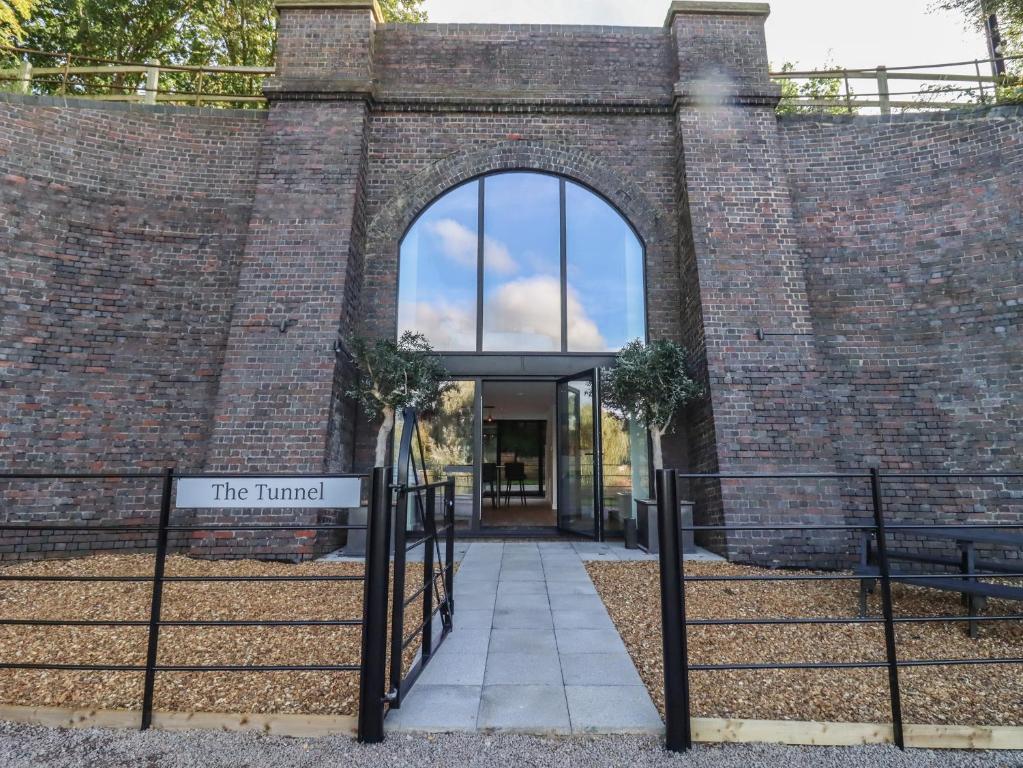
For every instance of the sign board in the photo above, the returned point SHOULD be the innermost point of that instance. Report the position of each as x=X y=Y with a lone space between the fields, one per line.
x=268 y=493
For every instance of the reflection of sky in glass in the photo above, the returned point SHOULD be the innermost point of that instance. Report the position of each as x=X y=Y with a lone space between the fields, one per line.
x=605 y=275
x=522 y=269
x=437 y=276
x=522 y=263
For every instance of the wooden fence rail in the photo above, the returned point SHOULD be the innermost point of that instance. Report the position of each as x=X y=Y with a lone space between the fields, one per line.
x=958 y=89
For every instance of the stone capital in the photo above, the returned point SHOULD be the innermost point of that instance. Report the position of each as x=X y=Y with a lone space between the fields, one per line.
x=707 y=7
x=355 y=5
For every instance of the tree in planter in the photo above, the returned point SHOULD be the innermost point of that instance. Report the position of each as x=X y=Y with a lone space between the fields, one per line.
x=649 y=384
x=394 y=375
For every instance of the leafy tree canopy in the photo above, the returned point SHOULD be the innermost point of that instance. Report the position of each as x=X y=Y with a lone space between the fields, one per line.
x=394 y=375
x=198 y=32
x=814 y=88
x=1010 y=22
x=12 y=14
x=650 y=383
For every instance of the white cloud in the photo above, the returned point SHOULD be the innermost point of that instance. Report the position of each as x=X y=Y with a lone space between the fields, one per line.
x=457 y=242
x=525 y=314
x=447 y=326
x=497 y=258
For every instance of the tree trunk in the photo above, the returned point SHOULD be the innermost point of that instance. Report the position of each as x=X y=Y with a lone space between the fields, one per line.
x=384 y=432
x=655 y=442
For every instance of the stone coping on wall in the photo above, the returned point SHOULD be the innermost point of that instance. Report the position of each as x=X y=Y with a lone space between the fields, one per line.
x=355 y=5
x=705 y=7
x=84 y=102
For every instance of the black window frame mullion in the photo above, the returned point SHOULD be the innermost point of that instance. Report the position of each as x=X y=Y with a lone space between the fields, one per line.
x=564 y=265
x=480 y=239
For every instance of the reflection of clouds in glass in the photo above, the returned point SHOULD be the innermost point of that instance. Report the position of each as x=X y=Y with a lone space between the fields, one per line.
x=447 y=326
x=526 y=314
x=496 y=257
x=458 y=243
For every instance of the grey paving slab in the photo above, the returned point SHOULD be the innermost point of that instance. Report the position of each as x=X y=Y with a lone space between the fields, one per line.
x=453 y=668
x=462 y=640
x=599 y=669
x=535 y=641
x=531 y=708
x=560 y=602
x=570 y=588
x=437 y=708
x=512 y=602
x=521 y=588
x=476 y=601
x=523 y=618
x=533 y=650
x=589 y=641
x=474 y=619
x=523 y=669
x=583 y=618
x=622 y=708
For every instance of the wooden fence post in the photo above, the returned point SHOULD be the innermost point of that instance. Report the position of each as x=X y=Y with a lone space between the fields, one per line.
x=883 y=95
x=152 y=81
x=25 y=77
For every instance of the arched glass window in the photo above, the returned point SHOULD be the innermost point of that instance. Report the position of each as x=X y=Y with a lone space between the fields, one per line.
x=522 y=262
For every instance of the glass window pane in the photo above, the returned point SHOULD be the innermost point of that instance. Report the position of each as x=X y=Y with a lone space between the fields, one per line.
x=605 y=275
x=522 y=263
x=437 y=275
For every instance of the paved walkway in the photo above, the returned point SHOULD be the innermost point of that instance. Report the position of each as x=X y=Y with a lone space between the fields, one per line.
x=533 y=650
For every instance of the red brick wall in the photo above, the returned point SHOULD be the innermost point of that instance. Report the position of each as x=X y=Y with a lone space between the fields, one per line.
x=121 y=233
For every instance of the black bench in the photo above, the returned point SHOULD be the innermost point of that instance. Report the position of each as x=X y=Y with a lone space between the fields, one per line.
x=975 y=593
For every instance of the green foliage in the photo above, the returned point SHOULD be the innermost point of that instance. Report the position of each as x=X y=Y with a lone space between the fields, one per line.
x=192 y=32
x=12 y=14
x=650 y=383
x=398 y=374
x=817 y=88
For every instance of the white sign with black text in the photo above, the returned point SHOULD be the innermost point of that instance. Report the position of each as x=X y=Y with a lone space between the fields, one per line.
x=268 y=492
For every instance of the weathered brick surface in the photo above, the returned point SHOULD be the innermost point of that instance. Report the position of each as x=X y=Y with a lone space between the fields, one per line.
x=175 y=281
x=120 y=238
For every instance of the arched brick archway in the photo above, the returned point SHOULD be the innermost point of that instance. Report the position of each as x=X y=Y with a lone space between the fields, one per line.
x=390 y=223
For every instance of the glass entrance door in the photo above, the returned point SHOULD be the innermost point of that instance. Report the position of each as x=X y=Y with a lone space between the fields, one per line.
x=579 y=469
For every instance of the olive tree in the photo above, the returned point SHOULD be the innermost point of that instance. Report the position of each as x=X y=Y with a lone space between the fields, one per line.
x=394 y=375
x=650 y=383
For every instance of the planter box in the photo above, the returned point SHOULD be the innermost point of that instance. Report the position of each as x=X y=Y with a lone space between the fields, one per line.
x=647 y=526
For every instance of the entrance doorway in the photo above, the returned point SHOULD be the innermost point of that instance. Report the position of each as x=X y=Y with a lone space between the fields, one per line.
x=535 y=457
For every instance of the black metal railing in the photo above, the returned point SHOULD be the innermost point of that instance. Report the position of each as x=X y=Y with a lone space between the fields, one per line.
x=374 y=699
x=673 y=581
x=436 y=585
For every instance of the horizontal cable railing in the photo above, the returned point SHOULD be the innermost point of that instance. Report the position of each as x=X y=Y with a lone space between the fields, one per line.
x=975 y=579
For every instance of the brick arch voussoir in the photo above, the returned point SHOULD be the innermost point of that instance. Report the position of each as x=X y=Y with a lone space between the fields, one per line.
x=390 y=223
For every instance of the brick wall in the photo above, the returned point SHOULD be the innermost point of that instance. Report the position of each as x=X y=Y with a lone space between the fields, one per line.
x=913 y=230
x=175 y=281
x=121 y=233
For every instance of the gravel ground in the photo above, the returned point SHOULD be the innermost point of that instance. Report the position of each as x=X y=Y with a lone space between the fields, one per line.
x=31 y=746
x=263 y=692
x=954 y=695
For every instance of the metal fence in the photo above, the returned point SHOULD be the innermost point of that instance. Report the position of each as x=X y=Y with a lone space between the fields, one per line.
x=673 y=581
x=375 y=695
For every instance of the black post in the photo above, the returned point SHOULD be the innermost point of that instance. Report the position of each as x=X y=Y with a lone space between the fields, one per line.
x=157 y=599
x=428 y=580
x=373 y=676
x=886 y=607
x=398 y=595
x=449 y=547
x=673 y=631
